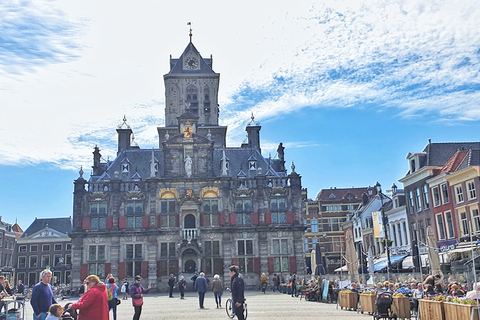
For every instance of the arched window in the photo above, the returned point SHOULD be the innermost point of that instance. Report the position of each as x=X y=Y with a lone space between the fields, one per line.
x=192 y=99
x=206 y=102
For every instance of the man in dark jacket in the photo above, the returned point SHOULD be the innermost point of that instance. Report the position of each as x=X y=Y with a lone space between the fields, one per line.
x=171 y=284
x=42 y=296
x=238 y=289
x=201 y=286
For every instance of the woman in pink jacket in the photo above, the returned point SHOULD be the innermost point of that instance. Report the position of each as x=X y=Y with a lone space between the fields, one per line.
x=93 y=304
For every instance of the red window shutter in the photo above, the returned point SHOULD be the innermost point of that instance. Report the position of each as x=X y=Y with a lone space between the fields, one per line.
x=203 y=264
x=255 y=218
x=233 y=219
x=122 y=223
x=109 y=225
x=177 y=221
x=86 y=224
x=235 y=261
x=201 y=220
x=83 y=271
x=121 y=270
x=268 y=217
x=270 y=264
x=144 y=269
x=108 y=268
x=145 y=221
x=159 y=264
x=293 y=264
x=221 y=219
x=159 y=221
x=290 y=217
x=257 y=266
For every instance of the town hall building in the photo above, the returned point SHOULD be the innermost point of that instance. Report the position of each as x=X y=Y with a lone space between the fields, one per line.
x=192 y=204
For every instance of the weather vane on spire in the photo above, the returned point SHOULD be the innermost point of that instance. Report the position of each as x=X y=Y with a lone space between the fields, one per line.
x=190 y=34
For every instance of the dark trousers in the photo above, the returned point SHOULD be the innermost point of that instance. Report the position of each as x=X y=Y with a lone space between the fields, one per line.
x=138 y=312
x=171 y=291
x=294 y=289
x=182 y=293
x=201 y=298
x=239 y=312
x=218 y=298
x=112 y=305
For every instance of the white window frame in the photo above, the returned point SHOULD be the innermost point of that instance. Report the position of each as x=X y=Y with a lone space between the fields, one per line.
x=439 y=218
x=419 y=200
x=475 y=214
x=459 y=193
x=462 y=216
x=425 y=196
x=436 y=196
x=445 y=197
x=450 y=231
x=471 y=191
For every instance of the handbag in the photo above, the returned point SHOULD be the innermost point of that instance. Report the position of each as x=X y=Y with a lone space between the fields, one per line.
x=118 y=301
x=138 y=302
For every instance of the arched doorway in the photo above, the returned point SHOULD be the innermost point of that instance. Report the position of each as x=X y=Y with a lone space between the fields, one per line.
x=189 y=258
x=189 y=221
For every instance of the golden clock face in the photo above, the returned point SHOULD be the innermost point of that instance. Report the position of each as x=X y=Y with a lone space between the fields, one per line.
x=191 y=63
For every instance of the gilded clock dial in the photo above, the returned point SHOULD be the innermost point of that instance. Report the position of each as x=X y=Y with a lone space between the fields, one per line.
x=191 y=63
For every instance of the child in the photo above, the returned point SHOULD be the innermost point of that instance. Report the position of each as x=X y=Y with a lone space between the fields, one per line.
x=55 y=312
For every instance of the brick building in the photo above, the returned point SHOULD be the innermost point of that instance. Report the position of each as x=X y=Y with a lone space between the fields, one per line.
x=192 y=204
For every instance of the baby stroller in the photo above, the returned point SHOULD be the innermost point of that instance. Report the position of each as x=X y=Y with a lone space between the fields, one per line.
x=383 y=306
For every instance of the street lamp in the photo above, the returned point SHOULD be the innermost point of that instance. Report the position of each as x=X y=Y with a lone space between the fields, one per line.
x=384 y=221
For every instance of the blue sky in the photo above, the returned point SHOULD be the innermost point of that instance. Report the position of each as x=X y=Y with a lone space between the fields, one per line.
x=349 y=88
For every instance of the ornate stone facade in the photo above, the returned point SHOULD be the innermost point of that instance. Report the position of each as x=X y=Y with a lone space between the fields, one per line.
x=192 y=204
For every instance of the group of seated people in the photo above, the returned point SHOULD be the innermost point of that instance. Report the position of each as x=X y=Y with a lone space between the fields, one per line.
x=433 y=285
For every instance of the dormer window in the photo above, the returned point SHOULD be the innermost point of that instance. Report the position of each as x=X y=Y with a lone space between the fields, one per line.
x=125 y=167
x=412 y=165
x=252 y=165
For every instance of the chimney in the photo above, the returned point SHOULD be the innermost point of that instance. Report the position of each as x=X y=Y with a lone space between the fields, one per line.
x=124 y=138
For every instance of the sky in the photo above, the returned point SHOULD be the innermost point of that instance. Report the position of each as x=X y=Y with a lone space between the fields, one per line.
x=349 y=87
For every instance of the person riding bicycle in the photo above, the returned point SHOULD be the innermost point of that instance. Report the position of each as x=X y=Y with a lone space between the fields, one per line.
x=263 y=282
x=238 y=289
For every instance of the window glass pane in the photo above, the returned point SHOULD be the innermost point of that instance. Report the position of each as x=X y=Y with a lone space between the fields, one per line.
x=130 y=208
x=208 y=248
x=101 y=252
x=276 y=246
x=281 y=204
x=284 y=264
x=138 y=251
x=276 y=264
x=214 y=206
x=138 y=222
x=93 y=209
x=92 y=268
x=163 y=207
x=247 y=205
x=241 y=248
x=248 y=219
x=171 y=207
x=138 y=267
x=273 y=205
x=102 y=223
x=239 y=218
x=171 y=249
x=206 y=206
x=284 y=246
x=249 y=265
x=214 y=219
x=249 y=244
x=239 y=205
x=216 y=247
x=172 y=221
x=102 y=209
x=130 y=222
x=163 y=250
x=92 y=253
x=274 y=217
x=138 y=208
x=241 y=265
x=282 y=217
x=94 y=223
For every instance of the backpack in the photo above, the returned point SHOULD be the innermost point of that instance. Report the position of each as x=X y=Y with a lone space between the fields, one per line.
x=110 y=293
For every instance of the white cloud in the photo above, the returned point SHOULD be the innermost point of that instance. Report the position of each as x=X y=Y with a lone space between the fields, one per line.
x=419 y=57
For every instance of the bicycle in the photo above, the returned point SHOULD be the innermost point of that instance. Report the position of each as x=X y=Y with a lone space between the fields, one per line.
x=231 y=311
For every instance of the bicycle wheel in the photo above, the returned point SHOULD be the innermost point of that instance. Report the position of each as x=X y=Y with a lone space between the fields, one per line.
x=245 y=311
x=228 y=308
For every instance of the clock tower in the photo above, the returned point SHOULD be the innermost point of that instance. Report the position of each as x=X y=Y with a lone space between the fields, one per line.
x=191 y=86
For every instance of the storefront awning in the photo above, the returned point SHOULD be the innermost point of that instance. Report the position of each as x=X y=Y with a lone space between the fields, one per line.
x=382 y=263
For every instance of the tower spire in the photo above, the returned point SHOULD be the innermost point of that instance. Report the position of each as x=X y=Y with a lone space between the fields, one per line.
x=190 y=34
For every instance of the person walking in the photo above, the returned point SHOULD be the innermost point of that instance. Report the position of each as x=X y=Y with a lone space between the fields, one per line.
x=93 y=304
x=112 y=296
x=275 y=282
x=127 y=289
x=217 y=289
x=238 y=291
x=263 y=282
x=171 y=285
x=137 y=292
x=201 y=286
x=20 y=299
x=182 y=285
x=42 y=296
x=294 y=285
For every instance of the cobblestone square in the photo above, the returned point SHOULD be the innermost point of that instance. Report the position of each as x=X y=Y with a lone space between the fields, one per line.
x=260 y=306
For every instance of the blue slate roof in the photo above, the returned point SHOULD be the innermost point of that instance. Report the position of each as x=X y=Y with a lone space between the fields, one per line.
x=62 y=225
x=176 y=65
